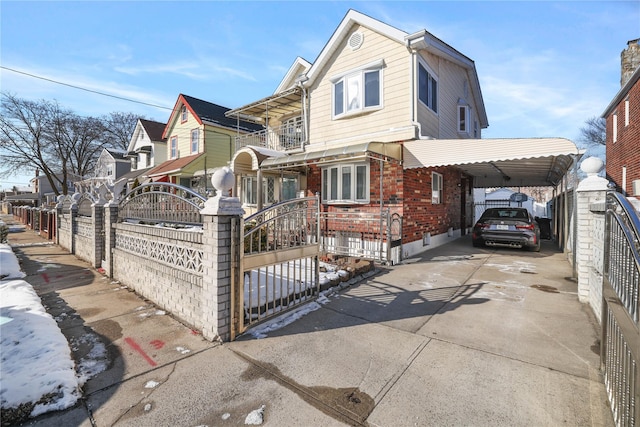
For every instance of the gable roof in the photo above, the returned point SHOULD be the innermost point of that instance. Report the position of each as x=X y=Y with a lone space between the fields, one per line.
x=154 y=129
x=299 y=67
x=624 y=90
x=208 y=113
x=421 y=40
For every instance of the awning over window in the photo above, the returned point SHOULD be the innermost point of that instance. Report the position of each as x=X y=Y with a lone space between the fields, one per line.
x=351 y=152
x=516 y=162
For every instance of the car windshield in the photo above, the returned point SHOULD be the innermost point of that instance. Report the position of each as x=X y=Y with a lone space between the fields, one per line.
x=506 y=213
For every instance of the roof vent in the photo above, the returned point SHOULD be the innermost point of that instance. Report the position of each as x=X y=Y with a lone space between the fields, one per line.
x=356 y=40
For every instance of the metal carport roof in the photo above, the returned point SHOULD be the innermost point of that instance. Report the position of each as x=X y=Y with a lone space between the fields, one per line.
x=512 y=162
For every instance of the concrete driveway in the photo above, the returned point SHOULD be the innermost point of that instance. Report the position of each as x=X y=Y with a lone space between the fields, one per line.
x=457 y=336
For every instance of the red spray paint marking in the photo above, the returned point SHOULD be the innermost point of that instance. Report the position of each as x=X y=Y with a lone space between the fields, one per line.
x=45 y=276
x=137 y=348
x=157 y=344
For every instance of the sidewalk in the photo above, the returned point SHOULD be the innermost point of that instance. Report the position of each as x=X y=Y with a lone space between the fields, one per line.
x=459 y=336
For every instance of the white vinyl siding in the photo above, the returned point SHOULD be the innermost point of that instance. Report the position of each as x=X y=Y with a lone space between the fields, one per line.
x=395 y=85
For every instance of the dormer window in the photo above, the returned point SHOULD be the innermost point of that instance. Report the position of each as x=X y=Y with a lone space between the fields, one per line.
x=358 y=90
x=183 y=114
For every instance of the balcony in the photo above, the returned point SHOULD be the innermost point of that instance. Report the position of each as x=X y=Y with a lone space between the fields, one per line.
x=287 y=137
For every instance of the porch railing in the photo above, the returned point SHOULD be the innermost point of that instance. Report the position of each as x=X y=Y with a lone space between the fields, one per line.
x=620 y=348
x=281 y=138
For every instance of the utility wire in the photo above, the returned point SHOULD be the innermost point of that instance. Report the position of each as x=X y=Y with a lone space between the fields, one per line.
x=85 y=89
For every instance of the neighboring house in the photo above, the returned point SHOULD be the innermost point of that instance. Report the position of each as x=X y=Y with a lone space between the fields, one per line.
x=339 y=127
x=43 y=191
x=623 y=126
x=147 y=149
x=111 y=165
x=200 y=138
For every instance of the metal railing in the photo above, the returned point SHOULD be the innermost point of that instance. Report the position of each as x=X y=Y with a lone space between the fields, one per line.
x=166 y=203
x=281 y=138
x=277 y=263
x=620 y=351
x=368 y=235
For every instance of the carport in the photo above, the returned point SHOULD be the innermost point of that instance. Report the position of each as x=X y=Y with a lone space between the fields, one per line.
x=504 y=162
x=521 y=162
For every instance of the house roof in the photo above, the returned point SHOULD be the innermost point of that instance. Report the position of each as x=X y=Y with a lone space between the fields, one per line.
x=622 y=93
x=208 y=113
x=117 y=154
x=154 y=129
x=173 y=165
x=420 y=40
x=135 y=174
x=497 y=162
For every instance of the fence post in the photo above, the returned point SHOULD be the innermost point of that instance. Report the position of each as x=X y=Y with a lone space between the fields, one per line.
x=217 y=216
x=73 y=221
x=590 y=191
x=97 y=213
x=110 y=212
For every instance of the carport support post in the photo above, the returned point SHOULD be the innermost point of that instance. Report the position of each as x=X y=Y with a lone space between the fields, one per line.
x=590 y=191
x=217 y=216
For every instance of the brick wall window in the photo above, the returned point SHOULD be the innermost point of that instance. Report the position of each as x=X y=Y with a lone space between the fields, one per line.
x=345 y=183
x=436 y=188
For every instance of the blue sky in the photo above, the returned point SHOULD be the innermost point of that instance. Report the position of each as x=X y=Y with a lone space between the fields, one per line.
x=545 y=67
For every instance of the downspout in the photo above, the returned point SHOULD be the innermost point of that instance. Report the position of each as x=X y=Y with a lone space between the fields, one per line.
x=413 y=65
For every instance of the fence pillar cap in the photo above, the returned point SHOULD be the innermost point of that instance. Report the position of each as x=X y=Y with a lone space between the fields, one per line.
x=223 y=180
x=592 y=166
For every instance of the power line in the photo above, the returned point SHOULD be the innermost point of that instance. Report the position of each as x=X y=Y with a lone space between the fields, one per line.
x=85 y=89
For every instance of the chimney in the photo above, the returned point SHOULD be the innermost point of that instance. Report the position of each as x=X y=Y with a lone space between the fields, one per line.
x=630 y=60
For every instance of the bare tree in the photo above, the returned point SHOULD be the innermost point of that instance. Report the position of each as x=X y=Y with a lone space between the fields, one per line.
x=119 y=127
x=594 y=132
x=44 y=136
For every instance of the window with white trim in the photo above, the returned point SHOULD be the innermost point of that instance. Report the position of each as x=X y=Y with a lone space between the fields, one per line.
x=358 y=90
x=436 y=188
x=463 y=118
x=174 y=147
x=427 y=87
x=250 y=190
x=346 y=183
x=195 y=137
x=183 y=114
x=626 y=111
x=615 y=127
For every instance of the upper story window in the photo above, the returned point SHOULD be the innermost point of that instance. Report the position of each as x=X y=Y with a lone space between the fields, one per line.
x=195 y=137
x=615 y=127
x=427 y=87
x=173 y=147
x=436 y=188
x=358 y=90
x=463 y=118
x=626 y=111
x=183 y=114
x=346 y=183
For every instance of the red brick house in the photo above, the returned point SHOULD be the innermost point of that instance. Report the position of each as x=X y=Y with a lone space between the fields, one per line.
x=623 y=126
x=359 y=125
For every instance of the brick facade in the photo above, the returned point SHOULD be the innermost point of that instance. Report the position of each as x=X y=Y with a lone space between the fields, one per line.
x=625 y=151
x=408 y=193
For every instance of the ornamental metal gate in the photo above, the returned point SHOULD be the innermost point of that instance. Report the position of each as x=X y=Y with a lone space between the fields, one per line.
x=620 y=348
x=276 y=261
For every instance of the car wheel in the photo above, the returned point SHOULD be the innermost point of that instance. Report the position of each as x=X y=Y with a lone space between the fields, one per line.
x=535 y=248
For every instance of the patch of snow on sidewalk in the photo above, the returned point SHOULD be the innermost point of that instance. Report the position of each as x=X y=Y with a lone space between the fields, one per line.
x=36 y=360
x=9 y=266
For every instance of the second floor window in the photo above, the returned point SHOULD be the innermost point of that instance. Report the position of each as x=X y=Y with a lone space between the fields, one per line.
x=174 y=147
x=463 y=119
x=427 y=88
x=195 y=136
x=356 y=92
